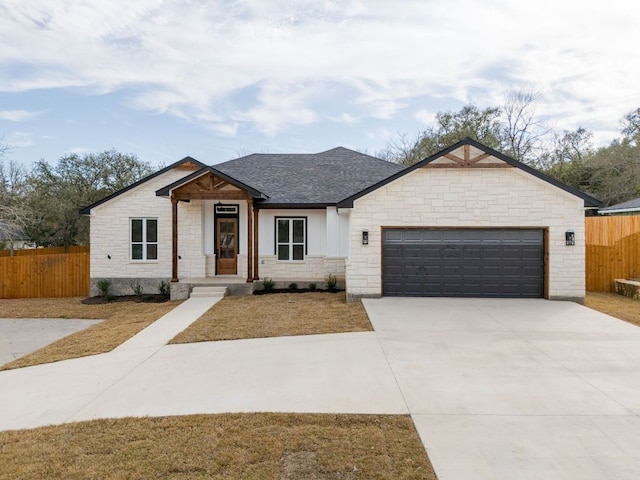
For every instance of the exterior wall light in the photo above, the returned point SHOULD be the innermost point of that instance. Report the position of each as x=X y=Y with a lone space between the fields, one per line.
x=570 y=238
x=365 y=237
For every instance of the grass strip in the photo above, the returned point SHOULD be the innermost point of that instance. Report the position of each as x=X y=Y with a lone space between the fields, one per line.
x=277 y=315
x=121 y=321
x=228 y=446
x=619 y=306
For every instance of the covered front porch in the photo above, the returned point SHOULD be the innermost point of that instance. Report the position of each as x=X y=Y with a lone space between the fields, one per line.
x=215 y=233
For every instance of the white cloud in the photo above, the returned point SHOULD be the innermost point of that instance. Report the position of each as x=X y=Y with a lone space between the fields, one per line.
x=224 y=129
x=424 y=116
x=17 y=115
x=78 y=150
x=191 y=58
x=19 y=139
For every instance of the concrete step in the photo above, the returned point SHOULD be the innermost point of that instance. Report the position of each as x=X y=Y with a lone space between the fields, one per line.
x=208 y=291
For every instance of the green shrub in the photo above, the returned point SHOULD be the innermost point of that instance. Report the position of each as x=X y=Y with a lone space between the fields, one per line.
x=137 y=288
x=313 y=287
x=332 y=282
x=164 y=289
x=293 y=286
x=268 y=284
x=104 y=285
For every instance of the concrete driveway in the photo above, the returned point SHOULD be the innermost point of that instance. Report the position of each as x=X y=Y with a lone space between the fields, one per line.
x=511 y=389
x=20 y=336
x=498 y=389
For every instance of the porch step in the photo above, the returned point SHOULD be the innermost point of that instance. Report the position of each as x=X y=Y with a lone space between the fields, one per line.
x=208 y=292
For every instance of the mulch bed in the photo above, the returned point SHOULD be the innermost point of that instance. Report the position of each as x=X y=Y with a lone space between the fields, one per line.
x=292 y=290
x=98 y=300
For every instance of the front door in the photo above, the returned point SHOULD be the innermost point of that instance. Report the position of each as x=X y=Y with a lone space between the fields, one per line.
x=227 y=246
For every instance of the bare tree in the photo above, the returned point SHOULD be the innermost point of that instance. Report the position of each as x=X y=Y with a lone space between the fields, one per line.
x=523 y=130
x=631 y=125
x=404 y=150
x=14 y=215
x=470 y=121
x=14 y=220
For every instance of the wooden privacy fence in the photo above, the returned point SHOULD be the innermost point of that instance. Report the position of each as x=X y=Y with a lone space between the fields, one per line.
x=612 y=250
x=45 y=251
x=45 y=272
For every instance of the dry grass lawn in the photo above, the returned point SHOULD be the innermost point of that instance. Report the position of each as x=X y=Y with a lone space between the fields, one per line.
x=277 y=315
x=122 y=320
x=258 y=446
x=618 y=306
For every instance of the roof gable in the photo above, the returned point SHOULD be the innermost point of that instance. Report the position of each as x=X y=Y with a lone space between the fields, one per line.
x=469 y=153
x=187 y=163
x=209 y=180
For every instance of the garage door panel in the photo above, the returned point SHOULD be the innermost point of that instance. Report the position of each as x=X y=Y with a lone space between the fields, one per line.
x=463 y=262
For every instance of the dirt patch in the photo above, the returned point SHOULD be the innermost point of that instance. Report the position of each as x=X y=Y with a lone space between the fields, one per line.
x=277 y=315
x=228 y=446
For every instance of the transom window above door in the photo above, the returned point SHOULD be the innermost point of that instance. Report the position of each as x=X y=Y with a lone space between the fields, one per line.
x=291 y=238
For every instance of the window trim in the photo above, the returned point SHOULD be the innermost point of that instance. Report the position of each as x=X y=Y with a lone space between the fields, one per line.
x=290 y=243
x=144 y=241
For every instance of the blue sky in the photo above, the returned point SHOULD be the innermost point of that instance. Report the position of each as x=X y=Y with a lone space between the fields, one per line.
x=221 y=78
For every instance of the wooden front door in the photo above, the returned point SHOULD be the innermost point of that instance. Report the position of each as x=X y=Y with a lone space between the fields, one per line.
x=226 y=246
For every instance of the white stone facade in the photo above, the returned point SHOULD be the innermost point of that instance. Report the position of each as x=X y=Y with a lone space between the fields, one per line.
x=425 y=197
x=469 y=197
x=111 y=233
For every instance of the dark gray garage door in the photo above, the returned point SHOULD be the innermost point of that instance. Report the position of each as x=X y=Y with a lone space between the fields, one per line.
x=463 y=262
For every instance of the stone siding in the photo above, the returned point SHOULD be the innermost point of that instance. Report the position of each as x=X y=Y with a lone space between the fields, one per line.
x=314 y=267
x=459 y=197
x=111 y=230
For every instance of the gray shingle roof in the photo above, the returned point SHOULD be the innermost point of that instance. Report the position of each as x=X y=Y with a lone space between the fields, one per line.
x=628 y=205
x=320 y=178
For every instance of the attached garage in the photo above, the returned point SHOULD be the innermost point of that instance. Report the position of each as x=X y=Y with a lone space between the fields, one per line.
x=467 y=222
x=463 y=262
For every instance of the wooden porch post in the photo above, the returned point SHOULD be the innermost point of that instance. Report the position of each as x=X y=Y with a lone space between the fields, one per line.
x=174 y=235
x=249 y=240
x=256 y=251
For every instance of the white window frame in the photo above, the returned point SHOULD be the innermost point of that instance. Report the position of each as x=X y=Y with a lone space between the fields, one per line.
x=290 y=243
x=144 y=243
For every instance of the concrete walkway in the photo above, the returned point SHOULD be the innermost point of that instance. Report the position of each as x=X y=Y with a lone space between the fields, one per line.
x=341 y=373
x=53 y=393
x=498 y=389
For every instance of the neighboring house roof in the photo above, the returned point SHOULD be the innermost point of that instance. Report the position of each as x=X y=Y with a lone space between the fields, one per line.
x=589 y=201
x=185 y=160
x=308 y=179
x=624 y=207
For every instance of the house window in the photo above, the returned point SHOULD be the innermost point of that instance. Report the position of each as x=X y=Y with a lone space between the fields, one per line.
x=144 y=239
x=291 y=238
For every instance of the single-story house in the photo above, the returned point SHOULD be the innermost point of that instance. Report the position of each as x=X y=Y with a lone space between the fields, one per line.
x=630 y=207
x=467 y=221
